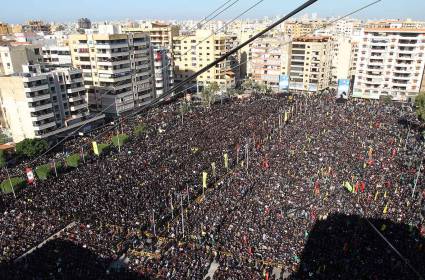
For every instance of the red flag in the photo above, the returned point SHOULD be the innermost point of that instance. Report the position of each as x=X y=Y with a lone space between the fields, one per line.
x=30 y=175
x=316 y=188
x=362 y=186
x=267 y=275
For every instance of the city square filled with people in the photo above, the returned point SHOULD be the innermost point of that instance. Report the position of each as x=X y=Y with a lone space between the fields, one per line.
x=248 y=189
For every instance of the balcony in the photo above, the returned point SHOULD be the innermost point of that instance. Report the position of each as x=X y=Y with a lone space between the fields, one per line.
x=159 y=84
x=42 y=117
x=111 y=45
x=76 y=89
x=78 y=107
x=37 y=88
x=114 y=71
x=113 y=63
x=38 y=98
x=112 y=54
x=40 y=107
x=44 y=126
x=76 y=98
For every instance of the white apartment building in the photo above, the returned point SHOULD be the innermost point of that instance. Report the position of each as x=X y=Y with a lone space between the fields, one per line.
x=310 y=66
x=341 y=52
x=164 y=74
x=391 y=61
x=12 y=57
x=57 y=56
x=117 y=70
x=40 y=105
x=268 y=59
x=161 y=34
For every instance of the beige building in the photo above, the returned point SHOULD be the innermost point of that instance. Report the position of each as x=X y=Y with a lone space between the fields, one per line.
x=192 y=53
x=117 y=70
x=341 y=52
x=5 y=28
x=40 y=105
x=310 y=66
x=161 y=34
x=296 y=29
x=268 y=59
x=12 y=57
x=391 y=61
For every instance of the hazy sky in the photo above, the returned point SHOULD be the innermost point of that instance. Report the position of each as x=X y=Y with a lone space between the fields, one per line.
x=70 y=10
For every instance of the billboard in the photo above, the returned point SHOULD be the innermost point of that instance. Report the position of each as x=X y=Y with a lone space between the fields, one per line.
x=283 y=82
x=343 y=88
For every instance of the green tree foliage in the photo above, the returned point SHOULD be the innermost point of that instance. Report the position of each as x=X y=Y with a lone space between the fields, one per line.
x=420 y=106
x=208 y=94
x=31 y=147
x=250 y=84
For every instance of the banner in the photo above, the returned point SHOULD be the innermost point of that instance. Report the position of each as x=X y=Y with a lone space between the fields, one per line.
x=343 y=88
x=204 y=179
x=283 y=82
x=95 y=149
x=30 y=175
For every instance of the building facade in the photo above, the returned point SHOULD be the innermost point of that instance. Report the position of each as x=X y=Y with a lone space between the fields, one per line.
x=12 y=57
x=161 y=34
x=164 y=74
x=391 y=61
x=193 y=52
x=117 y=70
x=268 y=59
x=56 y=56
x=40 y=105
x=310 y=66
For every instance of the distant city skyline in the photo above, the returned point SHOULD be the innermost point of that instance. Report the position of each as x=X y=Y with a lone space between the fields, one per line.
x=96 y=10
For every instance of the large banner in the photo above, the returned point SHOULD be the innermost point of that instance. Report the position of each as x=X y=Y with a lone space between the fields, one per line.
x=283 y=82
x=343 y=88
x=30 y=175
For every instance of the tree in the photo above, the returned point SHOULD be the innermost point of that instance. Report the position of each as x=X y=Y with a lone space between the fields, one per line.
x=265 y=89
x=250 y=84
x=420 y=106
x=387 y=99
x=208 y=94
x=31 y=147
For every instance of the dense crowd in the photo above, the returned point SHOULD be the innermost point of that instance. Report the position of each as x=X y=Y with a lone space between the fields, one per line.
x=285 y=180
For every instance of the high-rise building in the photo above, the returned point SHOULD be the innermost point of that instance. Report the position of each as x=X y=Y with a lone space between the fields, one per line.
x=117 y=70
x=12 y=57
x=391 y=61
x=40 y=105
x=193 y=52
x=163 y=67
x=268 y=58
x=310 y=66
x=84 y=23
x=161 y=34
x=341 y=53
x=56 y=56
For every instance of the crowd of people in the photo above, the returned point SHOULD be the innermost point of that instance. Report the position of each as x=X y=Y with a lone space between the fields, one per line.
x=277 y=171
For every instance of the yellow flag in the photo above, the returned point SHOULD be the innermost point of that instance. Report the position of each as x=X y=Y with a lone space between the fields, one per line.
x=286 y=117
x=226 y=160
x=213 y=168
x=385 y=208
x=385 y=194
x=376 y=195
x=95 y=149
x=204 y=179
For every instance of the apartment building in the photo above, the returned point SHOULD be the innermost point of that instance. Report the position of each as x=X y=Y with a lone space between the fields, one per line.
x=310 y=66
x=193 y=52
x=12 y=57
x=5 y=28
x=161 y=34
x=40 y=105
x=83 y=23
x=56 y=56
x=268 y=59
x=341 y=53
x=117 y=70
x=391 y=61
x=164 y=74
x=296 y=29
